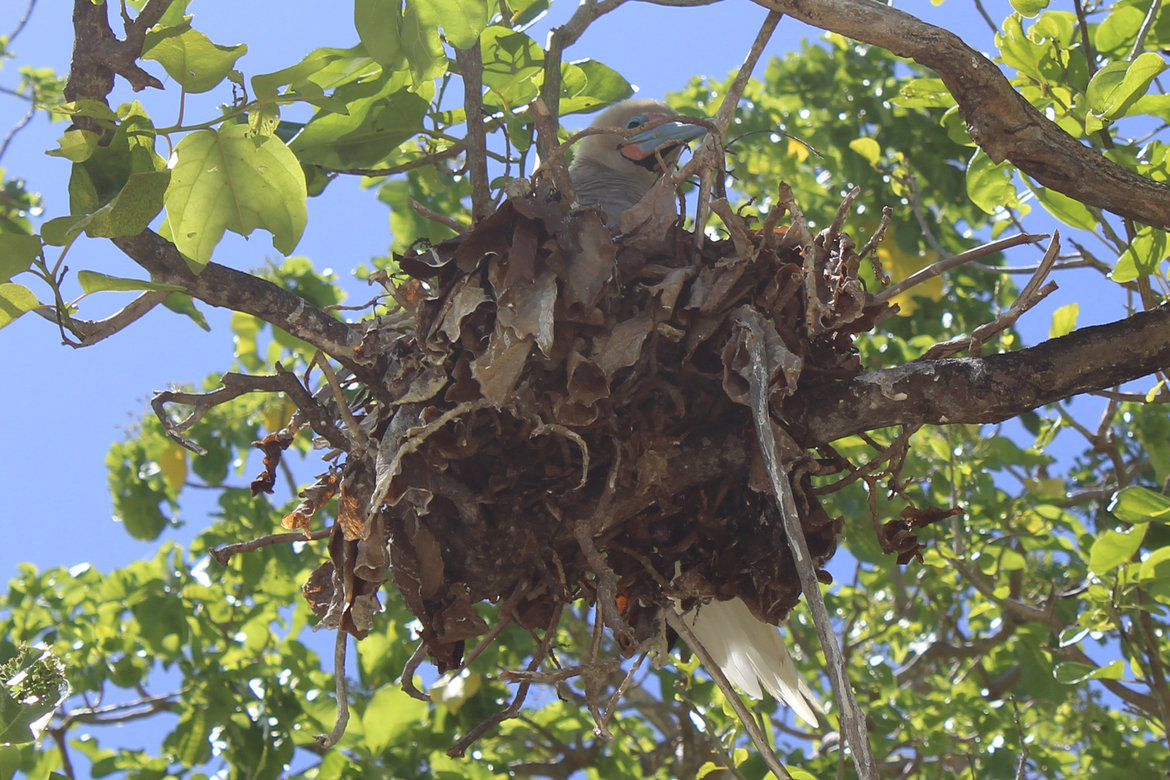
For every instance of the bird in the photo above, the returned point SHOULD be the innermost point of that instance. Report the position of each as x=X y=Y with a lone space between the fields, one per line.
x=614 y=172
x=751 y=654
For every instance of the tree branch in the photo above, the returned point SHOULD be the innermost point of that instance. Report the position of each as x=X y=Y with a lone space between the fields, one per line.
x=1001 y=121
x=984 y=390
x=219 y=285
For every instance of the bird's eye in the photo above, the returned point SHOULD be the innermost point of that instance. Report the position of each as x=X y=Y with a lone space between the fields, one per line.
x=637 y=121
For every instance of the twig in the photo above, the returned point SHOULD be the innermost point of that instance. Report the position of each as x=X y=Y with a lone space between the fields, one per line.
x=359 y=436
x=435 y=216
x=20 y=25
x=460 y=748
x=471 y=68
x=224 y=553
x=235 y=385
x=91 y=333
x=326 y=741
x=559 y=39
x=1139 y=42
x=935 y=269
x=852 y=718
x=675 y=619
x=408 y=670
x=724 y=116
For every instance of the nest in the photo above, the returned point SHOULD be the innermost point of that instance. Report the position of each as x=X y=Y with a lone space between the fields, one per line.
x=572 y=415
x=570 y=420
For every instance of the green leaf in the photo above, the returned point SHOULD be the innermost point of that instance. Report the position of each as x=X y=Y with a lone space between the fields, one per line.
x=1116 y=87
x=924 y=93
x=17 y=253
x=867 y=148
x=1136 y=504
x=461 y=20
x=321 y=69
x=15 y=300
x=1142 y=256
x=389 y=714
x=231 y=180
x=1067 y=210
x=1154 y=574
x=92 y=281
x=382 y=113
x=397 y=38
x=513 y=65
x=189 y=56
x=587 y=84
x=1114 y=548
x=76 y=145
x=185 y=305
x=1064 y=321
x=1072 y=672
x=1029 y=8
x=990 y=186
x=1119 y=29
x=129 y=213
x=16 y=719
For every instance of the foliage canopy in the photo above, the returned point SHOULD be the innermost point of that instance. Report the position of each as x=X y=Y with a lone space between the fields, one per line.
x=1029 y=640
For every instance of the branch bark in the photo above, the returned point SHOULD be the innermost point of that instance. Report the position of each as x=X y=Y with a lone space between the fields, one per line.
x=219 y=285
x=985 y=390
x=1002 y=122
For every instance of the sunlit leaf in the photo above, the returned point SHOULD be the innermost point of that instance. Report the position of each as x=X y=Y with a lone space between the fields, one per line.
x=230 y=180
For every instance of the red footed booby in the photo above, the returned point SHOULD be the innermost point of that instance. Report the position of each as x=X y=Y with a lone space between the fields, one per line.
x=614 y=173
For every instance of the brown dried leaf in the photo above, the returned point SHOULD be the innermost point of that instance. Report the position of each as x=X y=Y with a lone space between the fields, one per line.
x=589 y=263
x=499 y=367
x=315 y=496
x=459 y=304
x=527 y=309
x=623 y=347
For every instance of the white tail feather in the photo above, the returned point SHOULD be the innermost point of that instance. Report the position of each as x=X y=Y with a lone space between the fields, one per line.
x=750 y=653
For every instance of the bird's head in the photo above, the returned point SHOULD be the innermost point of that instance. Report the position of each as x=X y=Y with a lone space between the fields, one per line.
x=642 y=151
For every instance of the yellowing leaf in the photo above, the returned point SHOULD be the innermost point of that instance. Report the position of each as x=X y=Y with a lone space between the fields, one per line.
x=867 y=148
x=172 y=464
x=1064 y=321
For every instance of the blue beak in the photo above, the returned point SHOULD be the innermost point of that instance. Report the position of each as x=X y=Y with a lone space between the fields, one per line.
x=644 y=144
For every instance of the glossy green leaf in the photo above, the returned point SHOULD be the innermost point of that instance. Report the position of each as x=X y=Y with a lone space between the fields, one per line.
x=228 y=179
x=924 y=93
x=1067 y=210
x=1113 y=548
x=1071 y=672
x=1115 y=87
x=1136 y=504
x=189 y=56
x=991 y=186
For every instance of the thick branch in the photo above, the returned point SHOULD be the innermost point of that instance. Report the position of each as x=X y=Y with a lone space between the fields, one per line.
x=985 y=390
x=219 y=285
x=1005 y=125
